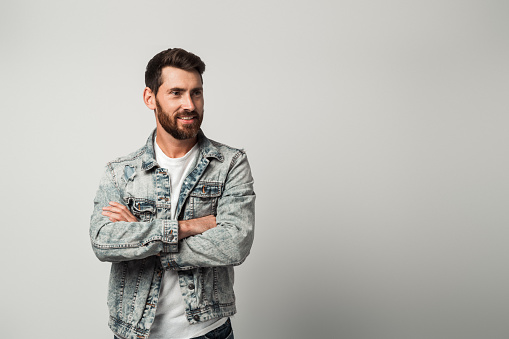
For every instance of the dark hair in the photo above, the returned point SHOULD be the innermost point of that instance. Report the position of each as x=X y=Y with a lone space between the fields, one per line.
x=174 y=57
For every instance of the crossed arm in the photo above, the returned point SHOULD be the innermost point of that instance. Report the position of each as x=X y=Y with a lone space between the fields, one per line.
x=118 y=212
x=221 y=240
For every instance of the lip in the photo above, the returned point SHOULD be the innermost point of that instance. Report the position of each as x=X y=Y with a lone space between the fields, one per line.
x=187 y=121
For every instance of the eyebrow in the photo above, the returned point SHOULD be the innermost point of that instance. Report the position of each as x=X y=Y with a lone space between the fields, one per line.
x=178 y=89
x=183 y=90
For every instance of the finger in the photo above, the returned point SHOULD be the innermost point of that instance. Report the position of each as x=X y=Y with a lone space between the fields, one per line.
x=118 y=205
x=132 y=218
x=119 y=209
x=113 y=209
x=108 y=213
x=115 y=219
x=120 y=214
x=113 y=216
x=126 y=214
x=115 y=213
x=123 y=210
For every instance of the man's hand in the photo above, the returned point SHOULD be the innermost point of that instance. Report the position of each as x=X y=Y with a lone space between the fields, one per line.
x=191 y=227
x=118 y=212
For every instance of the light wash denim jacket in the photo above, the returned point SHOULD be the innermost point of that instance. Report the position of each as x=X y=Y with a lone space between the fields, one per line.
x=220 y=184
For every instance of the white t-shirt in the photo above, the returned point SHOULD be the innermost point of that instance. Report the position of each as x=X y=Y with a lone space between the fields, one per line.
x=170 y=321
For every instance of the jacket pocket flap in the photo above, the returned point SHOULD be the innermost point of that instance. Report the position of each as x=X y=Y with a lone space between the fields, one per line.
x=141 y=205
x=207 y=189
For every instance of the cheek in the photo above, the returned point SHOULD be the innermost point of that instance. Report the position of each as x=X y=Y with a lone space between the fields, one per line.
x=170 y=110
x=199 y=105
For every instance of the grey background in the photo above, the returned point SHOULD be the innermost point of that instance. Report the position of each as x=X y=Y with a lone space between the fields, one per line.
x=377 y=134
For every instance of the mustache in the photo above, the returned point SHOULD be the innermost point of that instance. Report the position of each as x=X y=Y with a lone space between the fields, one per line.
x=187 y=114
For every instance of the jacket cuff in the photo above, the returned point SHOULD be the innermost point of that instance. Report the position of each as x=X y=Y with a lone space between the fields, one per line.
x=168 y=261
x=170 y=230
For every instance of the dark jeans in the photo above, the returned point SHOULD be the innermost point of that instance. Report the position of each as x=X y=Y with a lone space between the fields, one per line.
x=224 y=331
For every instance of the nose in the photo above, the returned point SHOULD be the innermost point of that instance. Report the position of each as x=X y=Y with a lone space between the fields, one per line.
x=187 y=102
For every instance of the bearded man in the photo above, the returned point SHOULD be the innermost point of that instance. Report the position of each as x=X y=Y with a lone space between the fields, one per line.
x=174 y=217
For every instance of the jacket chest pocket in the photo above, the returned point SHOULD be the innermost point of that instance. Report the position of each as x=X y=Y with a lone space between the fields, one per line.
x=143 y=209
x=203 y=198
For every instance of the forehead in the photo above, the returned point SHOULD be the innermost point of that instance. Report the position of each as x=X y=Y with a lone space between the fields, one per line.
x=176 y=77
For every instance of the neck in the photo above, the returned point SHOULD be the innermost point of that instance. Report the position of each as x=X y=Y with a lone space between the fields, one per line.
x=172 y=147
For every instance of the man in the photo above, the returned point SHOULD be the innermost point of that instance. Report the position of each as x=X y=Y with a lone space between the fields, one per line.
x=174 y=217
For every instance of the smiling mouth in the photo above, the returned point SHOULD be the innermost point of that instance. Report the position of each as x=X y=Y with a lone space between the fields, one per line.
x=187 y=120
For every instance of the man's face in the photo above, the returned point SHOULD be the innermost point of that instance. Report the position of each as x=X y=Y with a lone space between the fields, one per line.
x=179 y=103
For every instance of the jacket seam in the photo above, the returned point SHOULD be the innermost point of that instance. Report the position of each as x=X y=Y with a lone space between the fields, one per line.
x=217 y=143
x=211 y=307
x=129 y=326
x=234 y=159
x=128 y=245
x=113 y=177
x=122 y=287
x=215 y=282
x=135 y=296
x=134 y=157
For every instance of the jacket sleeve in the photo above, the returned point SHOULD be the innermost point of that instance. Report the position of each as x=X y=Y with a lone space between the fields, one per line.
x=230 y=241
x=120 y=241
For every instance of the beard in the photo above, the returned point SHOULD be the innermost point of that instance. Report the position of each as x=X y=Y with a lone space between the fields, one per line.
x=170 y=123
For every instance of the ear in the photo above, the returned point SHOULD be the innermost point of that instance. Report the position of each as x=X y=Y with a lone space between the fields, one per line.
x=149 y=98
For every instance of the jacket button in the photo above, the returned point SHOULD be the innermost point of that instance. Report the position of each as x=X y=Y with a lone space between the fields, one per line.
x=191 y=286
x=196 y=317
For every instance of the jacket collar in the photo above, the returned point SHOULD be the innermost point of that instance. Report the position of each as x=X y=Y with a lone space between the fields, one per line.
x=207 y=149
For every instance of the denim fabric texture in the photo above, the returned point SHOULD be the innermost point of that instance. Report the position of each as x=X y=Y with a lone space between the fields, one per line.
x=224 y=331
x=221 y=184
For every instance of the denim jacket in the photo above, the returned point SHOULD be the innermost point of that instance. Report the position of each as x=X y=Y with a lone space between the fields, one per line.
x=220 y=184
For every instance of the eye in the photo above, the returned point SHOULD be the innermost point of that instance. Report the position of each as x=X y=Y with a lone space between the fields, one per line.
x=176 y=93
x=197 y=93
